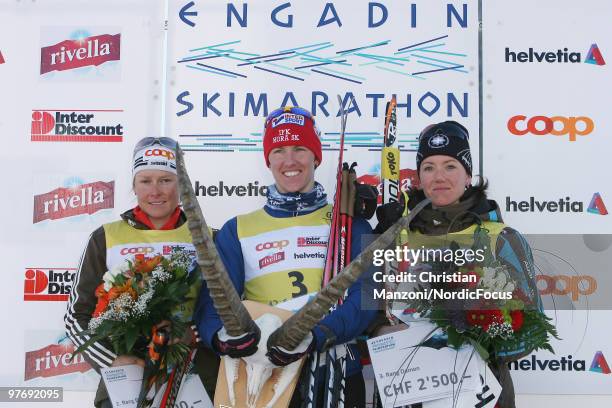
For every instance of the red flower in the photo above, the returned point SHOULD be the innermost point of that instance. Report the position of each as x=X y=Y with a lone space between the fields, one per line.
x=102 y=296
x=484 y=318
x=146 y=265
x=517 y=319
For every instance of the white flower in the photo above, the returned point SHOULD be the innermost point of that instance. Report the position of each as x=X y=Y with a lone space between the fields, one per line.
x=109 y=276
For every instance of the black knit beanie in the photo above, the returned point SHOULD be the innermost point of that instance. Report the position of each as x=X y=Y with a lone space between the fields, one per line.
x=446 y=138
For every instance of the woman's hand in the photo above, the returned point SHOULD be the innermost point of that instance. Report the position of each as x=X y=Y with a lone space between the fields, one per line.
x=127 y=360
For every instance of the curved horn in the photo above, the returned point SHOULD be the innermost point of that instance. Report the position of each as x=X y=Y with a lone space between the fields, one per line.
x=233 y=314
x=295 y=329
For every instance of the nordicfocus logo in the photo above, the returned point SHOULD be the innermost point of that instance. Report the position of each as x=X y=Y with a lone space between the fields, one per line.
x=76 y=126
x=534 y=364
x=572 y=126
x=88 y=51
x=67 y=202
x=136 y=250
x=271 y=259
x=53 y=360
x=272 y=245
x=48 y=284
x=305 y=255
x=562 y=205
x=221 y=189
x=560 y=56
x=312 y=242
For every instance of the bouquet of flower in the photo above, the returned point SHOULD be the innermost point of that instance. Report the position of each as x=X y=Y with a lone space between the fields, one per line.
x=508 y=326
x=134 y=298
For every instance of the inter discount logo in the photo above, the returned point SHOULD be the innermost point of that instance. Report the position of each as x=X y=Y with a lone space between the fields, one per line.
x=67 y=202
x=82 y=52
x=540 y=125
x=47 y=284
x=73 y=125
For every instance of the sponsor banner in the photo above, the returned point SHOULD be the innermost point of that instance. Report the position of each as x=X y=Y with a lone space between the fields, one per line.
x=73 y=125
x=48 y=284
x=64 y=202
x=565 y=205
x=582 y=357
x=226 y=76
x=49 y=361
x=91 y=54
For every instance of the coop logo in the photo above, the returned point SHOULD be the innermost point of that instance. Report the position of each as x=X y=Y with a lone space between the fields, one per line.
x=563 y=285
x=271 y=259
x=52 y=361
x=312 y=242
x=572 y=126
x=252 y=189
x=88 y=51
x=73 y=125
x=67 y=202
x=600 y=364
x=535 y=364
x=561 y=56
x=48 y=284
x=272 y=245
x=561 y=205
x=136 y=250
x=408 y=178
x=159 y=152
x=288 y=119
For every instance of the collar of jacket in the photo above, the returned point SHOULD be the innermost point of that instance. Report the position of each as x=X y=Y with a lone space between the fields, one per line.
x=472 y=208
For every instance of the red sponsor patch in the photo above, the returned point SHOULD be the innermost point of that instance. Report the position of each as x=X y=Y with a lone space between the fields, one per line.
x=67 y=202
x=271 y=259
x=70 y=54
x=52 y=361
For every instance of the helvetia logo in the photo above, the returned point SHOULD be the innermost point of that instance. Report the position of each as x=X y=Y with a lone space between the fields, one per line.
x=88 y=51
x=221 y=189
x=48 y=284
x=561 y=205
x=67 y=202
x=53 y=360
x=535 y=364
x=599 y=364
x=597 y=205
x=73 y=125
x=1 y=58
x=561 y=56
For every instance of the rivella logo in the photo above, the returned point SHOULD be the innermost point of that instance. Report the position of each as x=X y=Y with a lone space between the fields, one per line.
x=540 y=125
x=48 y=284
x=560 y=56
x=53 y=360
x=80 y=52
x=80 y=199
x=561 y=205
x=74 y=125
